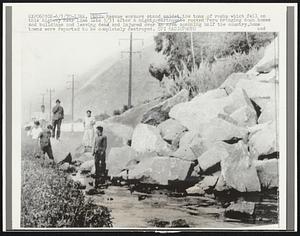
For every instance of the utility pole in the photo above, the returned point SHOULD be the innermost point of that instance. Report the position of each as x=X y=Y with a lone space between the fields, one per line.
x=72 y=88
x=192 y=49
x=130 y=52
x=43 y=99
x=50 y=101
x=30 y=111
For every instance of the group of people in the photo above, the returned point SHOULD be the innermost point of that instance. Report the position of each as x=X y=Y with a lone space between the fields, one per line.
x=93 y=138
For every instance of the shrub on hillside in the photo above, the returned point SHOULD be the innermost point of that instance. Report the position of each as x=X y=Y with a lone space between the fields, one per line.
x=50 y=199
x=208 y=76
x=116 y=112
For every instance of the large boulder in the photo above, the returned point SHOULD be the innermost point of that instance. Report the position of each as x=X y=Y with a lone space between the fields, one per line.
x=221 y=130
x=267 y=172
x=203 y=109
x=214 y=93
x=268 y=112
x=118 y=158
x=87 y=166
x=256 y=89
x=267 y=77
x=83 y=157
x=263 y=140
x=160 y=170
x=245 y=116
x=212 y=156
x=238 y=170
x=231 y=81
x=146 y=138
x=170 y=129
x=269 y=61
x=191 y=146
x=117 y=129
x=221 y=185
x=240 y=210
x=207 y=183
x=160 y=112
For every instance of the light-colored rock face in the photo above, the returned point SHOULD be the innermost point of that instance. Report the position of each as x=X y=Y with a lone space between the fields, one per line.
x=203 y=109
x=219 y=130
x=240 y=210
x=160 y=112
x=160 y=170
x=263 y=140
x=267 y=77
x=146 y=138
x=205 y=184
x=230 y=83
x=245 y=116
x=118 y=159
x=221 y=185
x=214 y=93
x=212 y=156
x=256 y=89
x=170 y=129
x=118 y=129
x=87 y=165
x=87 y=156
x=269 y=60
x=191 y=146
x=267 y=172
x=238 y=170
x=269 y=112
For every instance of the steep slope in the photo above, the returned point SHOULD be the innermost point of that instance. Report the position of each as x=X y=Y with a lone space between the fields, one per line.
x=106 y=90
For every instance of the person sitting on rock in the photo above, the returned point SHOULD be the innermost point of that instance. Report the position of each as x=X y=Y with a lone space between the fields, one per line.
x=45 y=143
x=99 y=149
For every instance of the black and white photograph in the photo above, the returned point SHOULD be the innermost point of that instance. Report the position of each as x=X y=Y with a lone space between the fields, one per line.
x=150 y=129
x=178 y=132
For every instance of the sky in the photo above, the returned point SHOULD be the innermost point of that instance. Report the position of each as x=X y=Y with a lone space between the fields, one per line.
x=49 y=59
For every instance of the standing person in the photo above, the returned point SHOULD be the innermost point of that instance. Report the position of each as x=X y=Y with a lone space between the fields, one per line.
x=99 y=150
x=58 y=116
x=88 y=135
x=42 y=117
x=35 y=133
x=45 y=143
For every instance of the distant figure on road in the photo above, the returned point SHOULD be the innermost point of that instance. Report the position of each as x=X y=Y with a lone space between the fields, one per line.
x=99 y=149
x=88 y=135
x=45 y=143
x=58 y=116
x=42 y=117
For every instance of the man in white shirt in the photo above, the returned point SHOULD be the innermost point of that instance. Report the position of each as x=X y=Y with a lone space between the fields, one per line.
x=35 y=134
x=42 y=117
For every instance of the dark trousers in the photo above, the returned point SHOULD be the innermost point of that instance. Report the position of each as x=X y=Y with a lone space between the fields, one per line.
x=100 y=165
x=56 y=123
x=48 y=150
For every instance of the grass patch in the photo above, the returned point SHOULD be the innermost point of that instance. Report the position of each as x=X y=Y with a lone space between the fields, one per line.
x=50 y=199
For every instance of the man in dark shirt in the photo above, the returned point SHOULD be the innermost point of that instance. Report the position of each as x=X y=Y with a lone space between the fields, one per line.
x=58 y=116
x=99 y=150
x=45 y=143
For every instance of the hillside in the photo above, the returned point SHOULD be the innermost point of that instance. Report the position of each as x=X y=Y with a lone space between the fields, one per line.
x=106 y=90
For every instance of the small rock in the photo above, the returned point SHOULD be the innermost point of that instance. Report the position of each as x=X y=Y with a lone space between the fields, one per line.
x=180 y=223
x=240 y=210
x=267 y=172
x=94 y=191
